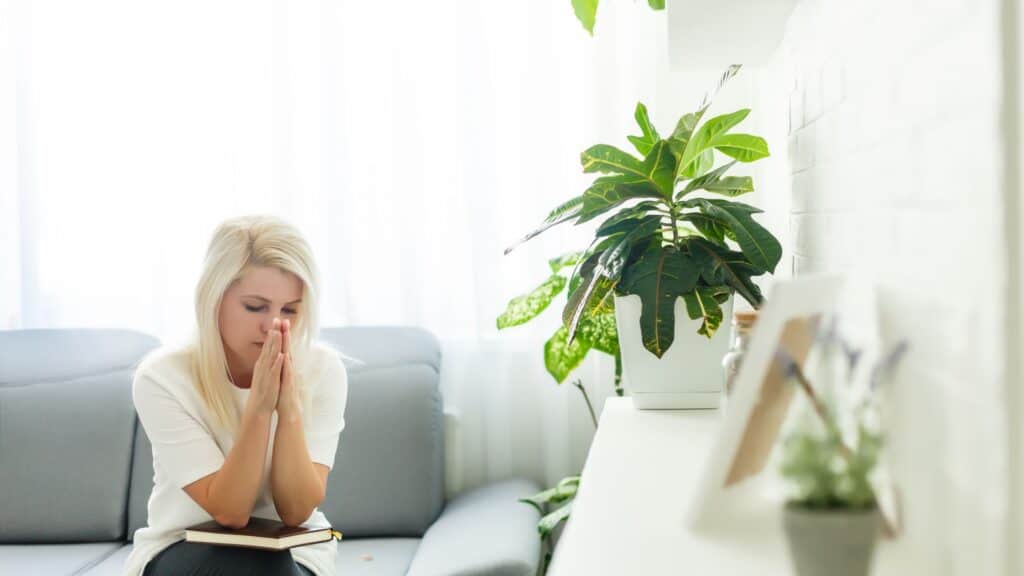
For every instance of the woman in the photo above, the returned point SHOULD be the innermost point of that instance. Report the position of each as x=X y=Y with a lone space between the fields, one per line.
x=245 y=420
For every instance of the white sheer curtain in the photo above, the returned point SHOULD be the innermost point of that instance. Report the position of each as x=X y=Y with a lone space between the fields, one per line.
x=410 y=141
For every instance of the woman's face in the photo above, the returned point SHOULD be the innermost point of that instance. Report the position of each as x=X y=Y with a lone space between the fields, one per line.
x=248 y=309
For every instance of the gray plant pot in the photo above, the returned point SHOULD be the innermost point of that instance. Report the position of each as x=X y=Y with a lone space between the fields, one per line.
x=831 y=542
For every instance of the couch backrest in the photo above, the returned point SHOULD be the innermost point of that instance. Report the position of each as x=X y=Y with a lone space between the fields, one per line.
x=388 y=477
x=66 y=427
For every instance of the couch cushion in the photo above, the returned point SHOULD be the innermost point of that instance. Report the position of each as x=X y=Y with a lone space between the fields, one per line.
x=112 y=564
x=373 y=347
x=66 y=427
x=483 y=531
x=388 y=473
x=376 y=556
x=53 y=558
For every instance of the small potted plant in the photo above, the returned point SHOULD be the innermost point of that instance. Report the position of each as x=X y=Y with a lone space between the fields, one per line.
x=669 y=254
x=829 y=460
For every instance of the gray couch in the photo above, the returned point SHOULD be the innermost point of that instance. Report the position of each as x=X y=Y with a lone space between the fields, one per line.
x=76 y=467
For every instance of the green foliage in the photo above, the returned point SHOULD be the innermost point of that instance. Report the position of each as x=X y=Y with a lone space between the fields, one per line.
x=562 y=357
x=586 y=11
x=658 y=239
x=822 y=477
x=642 y=246
x=828 y=460
x=522 y=309
x=554 y=505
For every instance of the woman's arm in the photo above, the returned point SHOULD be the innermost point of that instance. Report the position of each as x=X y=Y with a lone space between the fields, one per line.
x=298 y=484
x=229 y=494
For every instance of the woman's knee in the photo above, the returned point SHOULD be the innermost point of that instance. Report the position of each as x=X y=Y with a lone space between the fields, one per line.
x=194 y=559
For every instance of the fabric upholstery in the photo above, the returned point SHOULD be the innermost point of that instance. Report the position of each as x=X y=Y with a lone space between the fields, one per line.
x=47 y=559
x=112 y=565
x=484 y=532
x=375 y=556
x=388 y=479
x=373 y=347
x=142 y=481
x=66 y=433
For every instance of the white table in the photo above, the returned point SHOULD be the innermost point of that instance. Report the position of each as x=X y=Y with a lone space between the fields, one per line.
x=629 y=516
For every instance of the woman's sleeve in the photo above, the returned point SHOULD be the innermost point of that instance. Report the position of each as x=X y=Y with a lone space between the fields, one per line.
x=327 y=412
x=182 y=446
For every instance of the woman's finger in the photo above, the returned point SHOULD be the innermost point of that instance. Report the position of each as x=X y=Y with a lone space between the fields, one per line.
x=275 y=343
x=265 y=360
x=286 y=336
x=276 y=370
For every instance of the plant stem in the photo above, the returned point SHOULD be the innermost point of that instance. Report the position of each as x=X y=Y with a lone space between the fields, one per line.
x=579 y=384
x=819 y=408
x=618 y=375
x=675 y=225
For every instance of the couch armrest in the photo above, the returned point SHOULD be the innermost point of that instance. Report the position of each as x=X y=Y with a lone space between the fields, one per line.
x=485 y=531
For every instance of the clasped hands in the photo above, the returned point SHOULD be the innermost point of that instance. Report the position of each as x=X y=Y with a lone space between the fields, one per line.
x=273 y=386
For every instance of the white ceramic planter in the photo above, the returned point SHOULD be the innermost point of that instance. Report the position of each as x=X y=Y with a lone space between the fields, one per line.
x=688 y=374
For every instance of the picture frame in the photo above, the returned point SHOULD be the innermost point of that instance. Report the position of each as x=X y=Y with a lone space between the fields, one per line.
x=793 y=314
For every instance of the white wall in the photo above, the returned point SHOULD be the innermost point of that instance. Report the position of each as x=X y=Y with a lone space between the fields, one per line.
x=883 y=119
x=891 y=170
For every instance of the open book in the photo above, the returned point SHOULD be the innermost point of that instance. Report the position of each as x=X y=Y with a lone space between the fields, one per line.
x=259 y=533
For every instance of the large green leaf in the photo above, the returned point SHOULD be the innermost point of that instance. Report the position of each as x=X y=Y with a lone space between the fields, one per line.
x=586 y=12
x=610 y=191
x=661 y=167
x=659 y=277
x=599 y=332
x=591 y=295
x=719 y=265
x=561 y=357
x=688 y=123
x=702 y=181
x=649 y=136
x=526 y=307
x=712 y=228
x=743 y=147
x=610 y=160
x=705 y=161
x=731 y=186
x=605 y=274
x=656 y=168
x=548 y=523
x=703 y=140
x=756 y=242
x=565 y=260
x=715 y=182
x=628 y=218
x=566 y=211
x=656 y=4
x=682 y=133
x=702 y=304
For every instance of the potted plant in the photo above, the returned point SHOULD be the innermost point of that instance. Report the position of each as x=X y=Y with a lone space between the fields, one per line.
x=832 y=517
x=669 y=254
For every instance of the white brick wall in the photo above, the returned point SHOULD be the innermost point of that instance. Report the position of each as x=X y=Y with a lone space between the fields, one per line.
x=892 y=149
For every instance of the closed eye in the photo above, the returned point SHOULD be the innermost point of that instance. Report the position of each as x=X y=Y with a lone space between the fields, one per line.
x=262 y=308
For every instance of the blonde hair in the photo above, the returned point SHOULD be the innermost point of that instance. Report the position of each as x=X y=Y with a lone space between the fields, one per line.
x=237 y=245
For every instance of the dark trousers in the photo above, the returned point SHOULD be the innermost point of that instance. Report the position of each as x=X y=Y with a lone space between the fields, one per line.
x=195 y=559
